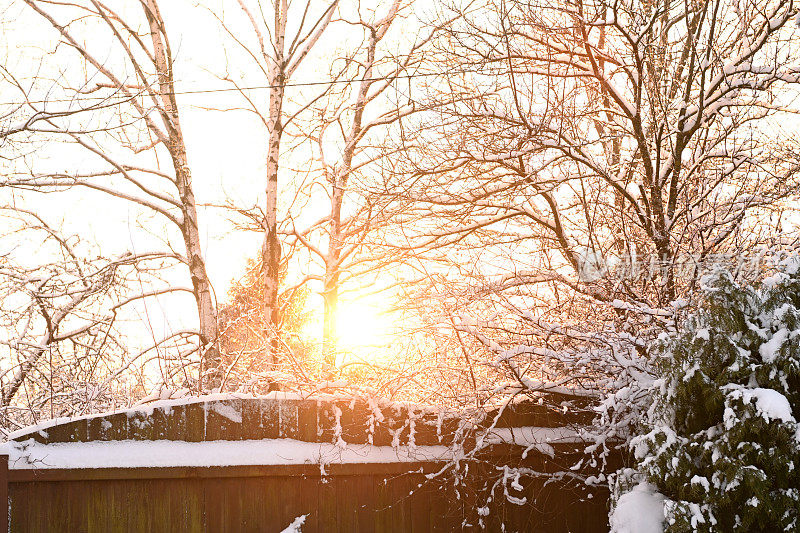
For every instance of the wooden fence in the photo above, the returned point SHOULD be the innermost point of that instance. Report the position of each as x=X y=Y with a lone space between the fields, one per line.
x=340 y=497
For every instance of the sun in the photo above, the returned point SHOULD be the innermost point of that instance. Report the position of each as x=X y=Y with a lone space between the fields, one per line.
x=365 y=331
x=362 y=325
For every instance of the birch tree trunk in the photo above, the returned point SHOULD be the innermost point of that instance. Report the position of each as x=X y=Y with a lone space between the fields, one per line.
x=279 y=62
x=271 y=250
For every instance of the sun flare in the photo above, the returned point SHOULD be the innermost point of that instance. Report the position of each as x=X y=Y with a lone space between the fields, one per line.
x=360 y=325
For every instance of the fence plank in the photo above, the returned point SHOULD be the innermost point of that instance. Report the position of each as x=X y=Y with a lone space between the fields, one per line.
x=4 y=492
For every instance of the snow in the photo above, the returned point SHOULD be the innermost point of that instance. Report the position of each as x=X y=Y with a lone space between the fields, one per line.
x=337 y=430
x=534 y=385
x=532 y=436
x=162 y=453
x=227 y=411
x=773 y=405
x=639 y=511
x=43 y=426
x=769 y=350
x=295 y=526
x=771 y=282
x=700 y=480
x=770 y=404
x=697 y=515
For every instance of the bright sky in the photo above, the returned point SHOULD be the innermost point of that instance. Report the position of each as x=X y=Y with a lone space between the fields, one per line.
x=227 y=150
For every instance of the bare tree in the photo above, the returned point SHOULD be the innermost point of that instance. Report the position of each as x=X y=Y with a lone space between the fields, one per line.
x=277 y=55
x=603 y=132
x=120 y=109
x=62 y=344
x=347 y=129
x=599 y=154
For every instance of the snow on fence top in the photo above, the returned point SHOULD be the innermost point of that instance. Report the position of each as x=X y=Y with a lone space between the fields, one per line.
x=30 y=455
x=298 y=429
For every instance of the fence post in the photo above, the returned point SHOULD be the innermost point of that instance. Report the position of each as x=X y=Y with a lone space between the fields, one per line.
x=5 y=510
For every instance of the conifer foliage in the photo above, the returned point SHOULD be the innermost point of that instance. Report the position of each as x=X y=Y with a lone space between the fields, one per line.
x=722 y=442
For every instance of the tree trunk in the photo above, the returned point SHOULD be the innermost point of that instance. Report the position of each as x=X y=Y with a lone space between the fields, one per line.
x=271 y=250
x=201 y=285
x=331 y=296
x=331 y=287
